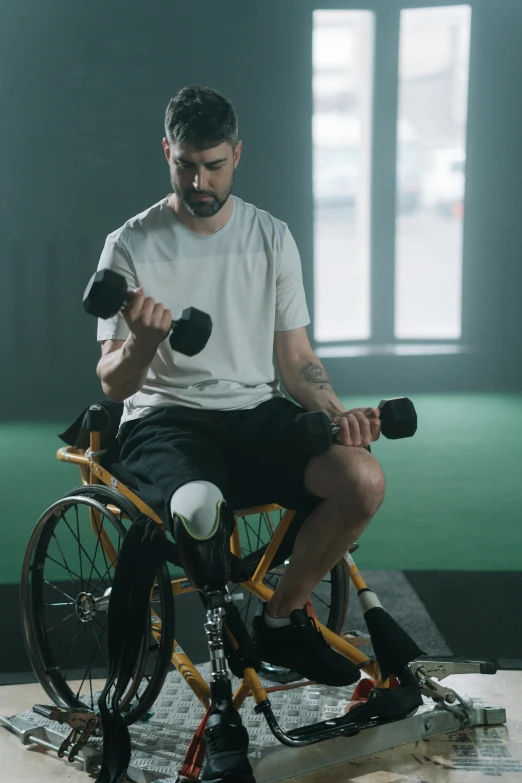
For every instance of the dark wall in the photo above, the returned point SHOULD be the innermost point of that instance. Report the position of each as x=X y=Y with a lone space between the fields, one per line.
x=84 y=90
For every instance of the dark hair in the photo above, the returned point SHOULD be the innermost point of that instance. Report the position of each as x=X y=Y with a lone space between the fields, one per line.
x=201 y=117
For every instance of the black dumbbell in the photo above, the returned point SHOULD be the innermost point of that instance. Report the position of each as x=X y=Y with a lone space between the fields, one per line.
x=107 y=294
x=314 y=432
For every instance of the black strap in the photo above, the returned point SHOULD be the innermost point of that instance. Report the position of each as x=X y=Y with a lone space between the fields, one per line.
x=246 y=654
x=143 y=548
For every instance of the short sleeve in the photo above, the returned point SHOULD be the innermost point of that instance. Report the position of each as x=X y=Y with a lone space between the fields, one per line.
x=291 y=308
x=115 y=256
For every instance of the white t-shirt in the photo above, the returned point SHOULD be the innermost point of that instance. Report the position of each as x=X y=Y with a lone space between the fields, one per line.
x=247 y=276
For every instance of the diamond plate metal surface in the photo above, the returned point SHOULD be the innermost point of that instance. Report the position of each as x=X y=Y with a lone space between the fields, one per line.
x=159 y=743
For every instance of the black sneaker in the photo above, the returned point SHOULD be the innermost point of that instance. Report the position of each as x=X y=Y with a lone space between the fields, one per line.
x=226 y=749
x=302 y=648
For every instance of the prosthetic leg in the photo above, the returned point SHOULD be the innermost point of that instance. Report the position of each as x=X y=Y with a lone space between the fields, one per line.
x=207 y=563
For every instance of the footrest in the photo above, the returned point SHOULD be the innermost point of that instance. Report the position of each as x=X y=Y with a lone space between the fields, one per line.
x=389 y=703
x=327 y=729
x=383 y=705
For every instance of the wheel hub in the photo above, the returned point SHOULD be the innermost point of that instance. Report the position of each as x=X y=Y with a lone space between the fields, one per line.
x=85 y=607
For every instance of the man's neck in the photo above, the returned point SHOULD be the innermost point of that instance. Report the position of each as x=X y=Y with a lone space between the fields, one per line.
x=201 y=225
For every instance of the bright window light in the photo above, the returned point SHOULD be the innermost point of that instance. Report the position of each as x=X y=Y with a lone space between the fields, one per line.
x=431 y=158
x=342 y=95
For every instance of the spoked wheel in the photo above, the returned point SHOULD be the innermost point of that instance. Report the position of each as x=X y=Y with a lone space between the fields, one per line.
x=65 y=588
x=329 y=599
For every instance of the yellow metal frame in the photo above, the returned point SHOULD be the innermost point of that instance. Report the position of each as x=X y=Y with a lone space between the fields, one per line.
x=93 y=473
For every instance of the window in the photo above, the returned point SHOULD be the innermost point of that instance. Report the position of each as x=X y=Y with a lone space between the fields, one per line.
x=342 y=94
x=431 y=140
x=431 y=74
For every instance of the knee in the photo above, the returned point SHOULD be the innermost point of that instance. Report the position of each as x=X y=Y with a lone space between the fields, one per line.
x=197 y=502
x=366 y=488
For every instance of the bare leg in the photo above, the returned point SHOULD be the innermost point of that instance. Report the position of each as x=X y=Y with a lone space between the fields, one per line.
x=324 y=538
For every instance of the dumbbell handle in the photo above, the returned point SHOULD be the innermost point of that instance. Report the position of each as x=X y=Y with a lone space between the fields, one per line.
x=127 y=303
x=176 y=324
x=107 y=294
x=314 y=431
x=335 y=429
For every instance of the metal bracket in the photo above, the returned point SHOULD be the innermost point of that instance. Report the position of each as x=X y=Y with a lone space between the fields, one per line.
x=442 y=669
x=82 y=723
x=446 y=698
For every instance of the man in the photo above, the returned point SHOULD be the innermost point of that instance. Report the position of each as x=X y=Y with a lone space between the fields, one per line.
x=198 y=431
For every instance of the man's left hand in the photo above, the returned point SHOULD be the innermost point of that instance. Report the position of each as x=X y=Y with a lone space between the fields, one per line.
x=358 y=427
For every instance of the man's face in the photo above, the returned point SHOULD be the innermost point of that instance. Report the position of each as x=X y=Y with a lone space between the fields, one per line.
x=202 y=180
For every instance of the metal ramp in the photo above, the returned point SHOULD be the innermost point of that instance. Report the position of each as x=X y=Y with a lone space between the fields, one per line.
x=160 y=743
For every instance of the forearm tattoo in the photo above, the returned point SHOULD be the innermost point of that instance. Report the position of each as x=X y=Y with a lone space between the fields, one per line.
x=316 y=374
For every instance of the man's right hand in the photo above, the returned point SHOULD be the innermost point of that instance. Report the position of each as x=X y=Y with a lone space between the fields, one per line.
x=149 y=321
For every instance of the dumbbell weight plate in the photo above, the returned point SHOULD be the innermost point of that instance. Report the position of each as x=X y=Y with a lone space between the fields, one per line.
x=313 y=433
x=191 y=332
x=105 y=294
x=399 y=418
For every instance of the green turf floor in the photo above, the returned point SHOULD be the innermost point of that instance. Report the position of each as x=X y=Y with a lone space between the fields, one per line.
x=453 y=498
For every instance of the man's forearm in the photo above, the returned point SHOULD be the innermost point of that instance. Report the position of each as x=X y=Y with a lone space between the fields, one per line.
x=124 y=372
x=308 y=383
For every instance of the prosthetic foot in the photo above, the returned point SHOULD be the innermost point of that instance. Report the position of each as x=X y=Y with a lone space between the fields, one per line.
x=226 y=742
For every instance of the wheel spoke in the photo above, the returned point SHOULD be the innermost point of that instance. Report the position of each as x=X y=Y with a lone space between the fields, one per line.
x=79 y=550
x=48 y=630
x=248 y=535
x=316 y=595
x=79 y=542
x=105 y=574
x=261 y=519
x=88 y=667
x=78 y=629
x=249 y=603
x=66 y=568
x=90 y=686
x=103 y=652
x=103 y=627
x=248 y=526
x=46 y=582
x=98 y=539
x=64 y=564
x=268 y=523
x=105 y=558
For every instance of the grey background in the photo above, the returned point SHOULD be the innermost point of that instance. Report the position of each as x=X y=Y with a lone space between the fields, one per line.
x=84 y=89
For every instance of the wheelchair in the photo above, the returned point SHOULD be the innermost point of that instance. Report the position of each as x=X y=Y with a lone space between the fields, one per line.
x=67 y=579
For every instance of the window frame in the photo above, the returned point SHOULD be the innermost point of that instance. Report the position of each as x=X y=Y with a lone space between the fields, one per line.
x=383 y=218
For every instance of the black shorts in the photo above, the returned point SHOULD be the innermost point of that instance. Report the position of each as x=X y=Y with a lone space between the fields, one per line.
x=248 y=454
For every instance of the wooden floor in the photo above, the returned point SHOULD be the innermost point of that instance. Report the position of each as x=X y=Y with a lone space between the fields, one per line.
x=467 y=757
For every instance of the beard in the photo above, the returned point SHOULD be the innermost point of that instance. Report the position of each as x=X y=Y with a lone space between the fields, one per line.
x=202 y=209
